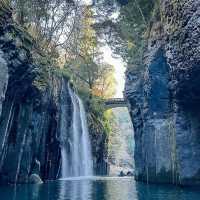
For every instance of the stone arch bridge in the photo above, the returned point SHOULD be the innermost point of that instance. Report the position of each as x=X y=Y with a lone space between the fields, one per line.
x=115 y=103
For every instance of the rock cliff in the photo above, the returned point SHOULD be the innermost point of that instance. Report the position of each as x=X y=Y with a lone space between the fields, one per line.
x=99 y=142
x=163 y=97
x=29 y=124
x=33 y=97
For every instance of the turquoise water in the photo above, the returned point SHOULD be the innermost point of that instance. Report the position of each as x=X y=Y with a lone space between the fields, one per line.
x=97 y=189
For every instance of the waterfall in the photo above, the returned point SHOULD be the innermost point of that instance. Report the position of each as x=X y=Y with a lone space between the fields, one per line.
x=85 y=141
x=76 y=147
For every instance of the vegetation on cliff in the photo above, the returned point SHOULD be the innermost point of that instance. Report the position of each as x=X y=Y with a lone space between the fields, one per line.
x=127 y=29
x=68 y=35
x=63 y=42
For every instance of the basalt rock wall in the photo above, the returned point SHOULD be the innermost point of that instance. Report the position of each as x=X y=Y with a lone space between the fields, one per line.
x=33 y=97
x=163 y=97
x=30 y=103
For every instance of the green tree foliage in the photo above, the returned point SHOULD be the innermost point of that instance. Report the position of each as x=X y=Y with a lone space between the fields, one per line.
x=51 y=22
x=127 y=32
x=105 y=85
x=63 y=31
x=86 y=65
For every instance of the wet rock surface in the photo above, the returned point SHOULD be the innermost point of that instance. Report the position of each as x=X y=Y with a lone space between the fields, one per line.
x=3 y=78
x=99 y=142
x=164 y=96
x=30 y=114
x=35 y=179
x=33 y=98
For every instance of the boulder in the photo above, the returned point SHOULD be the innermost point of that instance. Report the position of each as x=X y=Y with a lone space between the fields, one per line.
x=35 y=179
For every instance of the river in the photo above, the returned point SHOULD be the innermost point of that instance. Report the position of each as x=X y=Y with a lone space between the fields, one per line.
x=97 y=188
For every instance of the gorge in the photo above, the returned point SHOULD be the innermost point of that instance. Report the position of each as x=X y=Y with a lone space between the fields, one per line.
x=59 y=139
x=42 y=120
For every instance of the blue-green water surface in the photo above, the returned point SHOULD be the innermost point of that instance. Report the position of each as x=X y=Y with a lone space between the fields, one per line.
x=97 y=189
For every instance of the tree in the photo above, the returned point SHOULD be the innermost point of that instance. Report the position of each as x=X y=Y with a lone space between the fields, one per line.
x=87 y=65
x=63 y=29
x=50 y=22
x=126 y=33
x=105 y=86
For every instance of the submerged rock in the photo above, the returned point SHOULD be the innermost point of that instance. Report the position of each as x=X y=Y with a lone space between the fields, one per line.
x=122 y=174
x=130 y=173
x=35 y=179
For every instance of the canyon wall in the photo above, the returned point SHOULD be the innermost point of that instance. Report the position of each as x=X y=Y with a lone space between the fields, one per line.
x=163 y=96
x=30 y=111
x=33 y=98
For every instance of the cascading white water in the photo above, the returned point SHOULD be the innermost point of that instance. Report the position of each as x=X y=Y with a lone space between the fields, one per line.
x=76 y=147
x=85 y=141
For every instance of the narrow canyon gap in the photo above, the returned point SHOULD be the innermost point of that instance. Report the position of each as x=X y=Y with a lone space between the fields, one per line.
x=64 y=133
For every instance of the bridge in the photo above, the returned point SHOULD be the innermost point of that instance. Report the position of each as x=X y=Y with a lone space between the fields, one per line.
x=115 y=103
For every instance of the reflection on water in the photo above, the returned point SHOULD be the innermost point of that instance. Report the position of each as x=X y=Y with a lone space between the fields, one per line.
x=75 y=189
x=97 y=189
x=124 y=189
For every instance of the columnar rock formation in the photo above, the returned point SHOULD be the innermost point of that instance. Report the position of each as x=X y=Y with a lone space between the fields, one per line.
x=32 y=99
x=163 y=97
x=29 y=134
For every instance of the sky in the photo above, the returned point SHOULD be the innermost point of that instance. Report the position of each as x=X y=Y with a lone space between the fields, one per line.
x=87 y=1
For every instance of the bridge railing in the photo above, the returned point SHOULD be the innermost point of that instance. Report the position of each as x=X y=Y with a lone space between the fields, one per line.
x=116 y=99
x=115 y=102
